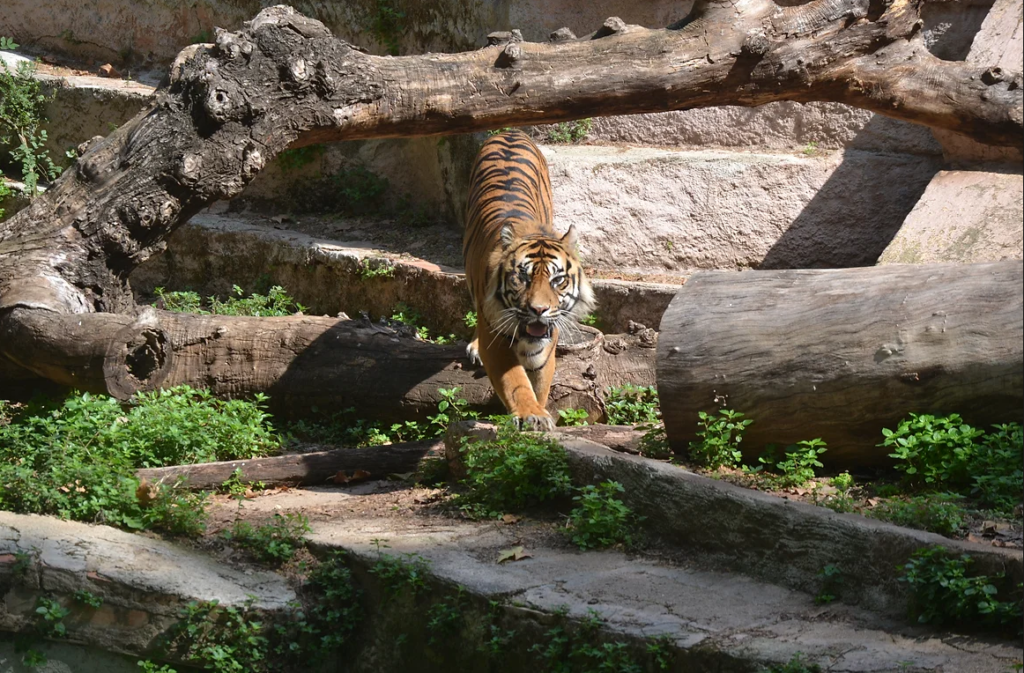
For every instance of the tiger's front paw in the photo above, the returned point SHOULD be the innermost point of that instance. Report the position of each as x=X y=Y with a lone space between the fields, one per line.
x=536 y=423
x=473 y=352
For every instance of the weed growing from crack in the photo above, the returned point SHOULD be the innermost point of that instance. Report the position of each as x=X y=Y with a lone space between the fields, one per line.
x=513 y=471
x=944 y=592
x=600 y=519
x=718 y=438
x=630 y=405
x=274 y=542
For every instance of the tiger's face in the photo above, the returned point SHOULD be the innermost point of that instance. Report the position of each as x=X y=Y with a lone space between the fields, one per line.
x=539 y=286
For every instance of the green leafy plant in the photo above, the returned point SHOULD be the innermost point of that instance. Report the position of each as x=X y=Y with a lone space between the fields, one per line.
x=294 y=159
x=570 y=132
x=86 y=597
x=936 y=450
x=222 y=639
x=387 y=25
x=147 y=666
x=842 y=481
x=326 y=621
x=941 y=513
x=572 y=417
x=50 y=618
x=831 y=578
x=405 y=574
x=445 y=618
x=470 y=319
x=273 y=542
x=406 y=315
x=499 y=131
x=4 y=193
x=22 y=115
x=599 y=518
x=7 y=44
x=369 y=269
x=943 y=592
x=76 y=457
x=718 y=438
x=276 y=302
x=511 y=472
x=590 y=319
x=654 y=442
x=630 y=405
x=797 y=468
x=451 y=408
x=946 y=454
x=238 y=488
x=796 y=664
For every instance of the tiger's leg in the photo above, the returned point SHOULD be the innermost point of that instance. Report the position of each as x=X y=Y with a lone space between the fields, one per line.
x=513 y=385
x=473 y=351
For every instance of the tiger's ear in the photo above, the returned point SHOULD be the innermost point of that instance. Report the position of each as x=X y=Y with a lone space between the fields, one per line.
x=570 y=240
x=508 y=236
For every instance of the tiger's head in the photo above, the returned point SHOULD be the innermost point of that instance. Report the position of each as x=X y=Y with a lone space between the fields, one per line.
x=538 y=285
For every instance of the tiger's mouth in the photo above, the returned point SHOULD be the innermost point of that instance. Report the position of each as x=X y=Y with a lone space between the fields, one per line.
x=539 y=330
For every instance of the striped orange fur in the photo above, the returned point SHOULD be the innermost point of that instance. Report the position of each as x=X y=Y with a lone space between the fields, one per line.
x=526 y=281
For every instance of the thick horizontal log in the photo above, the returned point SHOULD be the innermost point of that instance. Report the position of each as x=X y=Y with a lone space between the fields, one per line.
x=841 y=354
x=301 y=362
x=320 y=467
x=300 y=469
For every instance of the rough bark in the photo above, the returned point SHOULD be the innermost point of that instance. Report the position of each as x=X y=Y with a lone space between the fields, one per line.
x=841 y=354
x=300 y=469
x=302 y=362
x=321 y=467
x=285 y=81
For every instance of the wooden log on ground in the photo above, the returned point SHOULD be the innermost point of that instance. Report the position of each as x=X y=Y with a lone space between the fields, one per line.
x=302 y=362
x=300 y=469
x=841 y=354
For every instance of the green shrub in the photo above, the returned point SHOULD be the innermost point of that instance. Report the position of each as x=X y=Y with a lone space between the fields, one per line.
x=572 y=417
x=797 y=468
x=22 y=115
x=511 y=472
x=941 y=513
x=600 y=519
x=630 y=405
x=718 y=438
x=944 y=593
x=76 y=457
x=944 y=453
x=275 y=303
x=274 y=542
x=936 y=450
x=570 y=132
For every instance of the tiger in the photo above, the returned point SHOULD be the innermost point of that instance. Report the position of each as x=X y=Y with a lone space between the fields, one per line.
x=525 y=281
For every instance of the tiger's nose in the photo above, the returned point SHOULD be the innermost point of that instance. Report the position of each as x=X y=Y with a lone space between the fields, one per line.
x=539 y=310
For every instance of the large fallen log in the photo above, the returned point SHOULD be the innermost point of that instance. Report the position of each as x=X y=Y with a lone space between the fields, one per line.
x=841 y=354
x=320 y=467
x=299 y=469
x=303 y=362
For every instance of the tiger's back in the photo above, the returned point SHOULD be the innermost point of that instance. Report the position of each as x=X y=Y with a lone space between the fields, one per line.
x=525 y=280
x=509 y=186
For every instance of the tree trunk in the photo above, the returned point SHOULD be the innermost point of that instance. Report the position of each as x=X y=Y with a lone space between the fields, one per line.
x=300 y=469
x=842 y=354
x=283 y=80
x=377 y=462
x=302 y=362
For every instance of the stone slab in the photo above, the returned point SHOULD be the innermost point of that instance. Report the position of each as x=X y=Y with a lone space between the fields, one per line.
x=144 y=582
x=963 y=216
x=661 y=210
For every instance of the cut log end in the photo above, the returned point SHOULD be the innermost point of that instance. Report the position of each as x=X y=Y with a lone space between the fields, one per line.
x=138 y=359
